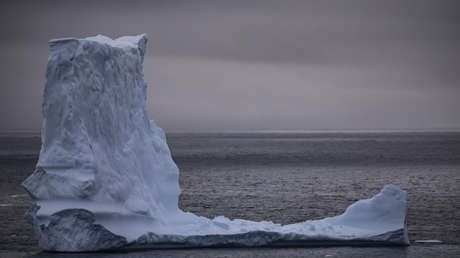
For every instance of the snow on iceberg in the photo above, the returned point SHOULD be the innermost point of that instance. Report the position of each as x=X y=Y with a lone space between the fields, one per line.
x=105 y=178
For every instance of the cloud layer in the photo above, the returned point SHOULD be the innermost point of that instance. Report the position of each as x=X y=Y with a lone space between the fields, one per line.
x=256 y=65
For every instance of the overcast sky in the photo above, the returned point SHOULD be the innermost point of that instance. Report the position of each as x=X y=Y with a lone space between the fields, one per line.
x=256 y=65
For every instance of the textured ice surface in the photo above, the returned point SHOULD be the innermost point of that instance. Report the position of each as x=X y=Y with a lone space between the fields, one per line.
x=105 y=178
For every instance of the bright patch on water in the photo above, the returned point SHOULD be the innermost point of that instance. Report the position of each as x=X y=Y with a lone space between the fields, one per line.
x=431 y=241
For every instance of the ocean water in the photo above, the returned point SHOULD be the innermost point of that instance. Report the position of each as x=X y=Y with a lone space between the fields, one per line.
x=286 y=178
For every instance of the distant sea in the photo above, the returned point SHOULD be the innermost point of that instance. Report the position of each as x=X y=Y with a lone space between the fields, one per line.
x=285 y=177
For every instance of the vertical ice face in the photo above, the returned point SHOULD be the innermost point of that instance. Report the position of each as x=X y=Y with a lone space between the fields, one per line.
x=98 y=145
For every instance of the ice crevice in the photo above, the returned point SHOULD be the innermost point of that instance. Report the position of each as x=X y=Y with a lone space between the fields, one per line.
x=105 y=178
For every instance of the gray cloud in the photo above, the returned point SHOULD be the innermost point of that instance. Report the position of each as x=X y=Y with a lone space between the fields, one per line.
x=243 y=65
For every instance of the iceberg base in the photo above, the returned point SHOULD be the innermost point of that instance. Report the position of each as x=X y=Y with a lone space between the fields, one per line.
x=379 y=221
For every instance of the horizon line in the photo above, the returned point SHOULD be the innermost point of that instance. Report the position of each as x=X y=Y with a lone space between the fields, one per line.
x=274 y=131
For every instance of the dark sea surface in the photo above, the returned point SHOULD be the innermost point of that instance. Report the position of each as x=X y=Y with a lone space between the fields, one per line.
x=283 y=177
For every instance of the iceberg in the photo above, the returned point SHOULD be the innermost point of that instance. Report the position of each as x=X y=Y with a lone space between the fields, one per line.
x=105 y=178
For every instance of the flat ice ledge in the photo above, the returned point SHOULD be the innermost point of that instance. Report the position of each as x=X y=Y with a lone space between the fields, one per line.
x=378 y=221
